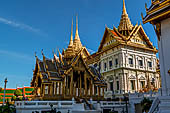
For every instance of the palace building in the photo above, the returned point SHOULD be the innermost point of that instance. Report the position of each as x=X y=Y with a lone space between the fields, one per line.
x=67 y=76
x=127 y=58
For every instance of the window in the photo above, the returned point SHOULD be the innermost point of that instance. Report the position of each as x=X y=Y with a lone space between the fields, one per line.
x=111 y=86
x=132 y=84
x=131 y=62
x=110 y=64
x=149 y=64
x=142 y=84
x=116 y=61
x=105 y=66
x=117 y=82
x=140 y=63
x=46 y=89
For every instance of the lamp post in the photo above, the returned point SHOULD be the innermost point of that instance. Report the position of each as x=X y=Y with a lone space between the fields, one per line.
x=4 y=90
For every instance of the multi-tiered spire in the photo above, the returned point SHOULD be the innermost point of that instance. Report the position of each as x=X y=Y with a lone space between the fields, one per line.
x=77 y=43
x=125 y=24
x=74 y=45
x=71 y=37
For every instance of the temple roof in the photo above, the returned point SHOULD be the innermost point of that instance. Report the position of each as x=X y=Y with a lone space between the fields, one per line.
x=56 y=69
x=125 y=34
x=159 y=10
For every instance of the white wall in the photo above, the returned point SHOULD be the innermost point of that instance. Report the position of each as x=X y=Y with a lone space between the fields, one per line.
x=164 y=55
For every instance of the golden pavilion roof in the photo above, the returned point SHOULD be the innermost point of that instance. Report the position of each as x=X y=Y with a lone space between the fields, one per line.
x=126 y=34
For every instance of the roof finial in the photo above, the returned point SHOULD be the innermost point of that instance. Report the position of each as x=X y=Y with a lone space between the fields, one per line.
x=124 y=7
x=53 y=51
x=71 y=38
x=60 y=56
x=42 y=52
x=35 y=54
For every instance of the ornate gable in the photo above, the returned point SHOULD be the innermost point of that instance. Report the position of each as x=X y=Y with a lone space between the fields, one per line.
x=108 y=39
x=140 y=37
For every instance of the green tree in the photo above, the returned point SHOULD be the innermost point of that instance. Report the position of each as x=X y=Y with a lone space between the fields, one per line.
x=146 y=104
x=18 y=93
x=8 y=108
x=14 y=98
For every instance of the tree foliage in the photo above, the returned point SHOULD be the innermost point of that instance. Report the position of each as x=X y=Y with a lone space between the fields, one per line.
x=18 y=93
x=8 y=108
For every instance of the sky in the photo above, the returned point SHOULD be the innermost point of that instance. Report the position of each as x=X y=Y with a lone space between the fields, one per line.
x=28 y=26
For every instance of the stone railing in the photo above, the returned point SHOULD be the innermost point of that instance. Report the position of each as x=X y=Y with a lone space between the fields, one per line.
x=154 y=106
x=44 y=104
x=112 y=103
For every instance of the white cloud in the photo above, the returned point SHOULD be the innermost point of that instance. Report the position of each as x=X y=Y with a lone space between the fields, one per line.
x=22 y=26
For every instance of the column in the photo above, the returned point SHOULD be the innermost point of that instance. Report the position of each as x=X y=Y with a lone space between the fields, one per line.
x=59 y=88
x=71 y=84
x=80 y=86
x=85 y=83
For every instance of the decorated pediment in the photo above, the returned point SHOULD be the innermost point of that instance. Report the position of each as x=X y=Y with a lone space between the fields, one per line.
x=132 y=77
x=142 y=78
x=140 y=37
x=108 y=39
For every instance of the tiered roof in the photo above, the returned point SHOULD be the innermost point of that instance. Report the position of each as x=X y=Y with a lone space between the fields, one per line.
x=126 y=34
x=58 y=67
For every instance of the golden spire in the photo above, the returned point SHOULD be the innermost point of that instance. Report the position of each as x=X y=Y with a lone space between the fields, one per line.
x=125 y=23
x=77 y=34
x=124 y=7
x=77 y=43
x=71 y=38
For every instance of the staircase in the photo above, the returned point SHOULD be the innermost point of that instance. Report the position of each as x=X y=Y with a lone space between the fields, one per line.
x=88 y=106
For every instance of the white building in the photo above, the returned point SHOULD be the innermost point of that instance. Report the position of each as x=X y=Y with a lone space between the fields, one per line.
x=127 y=58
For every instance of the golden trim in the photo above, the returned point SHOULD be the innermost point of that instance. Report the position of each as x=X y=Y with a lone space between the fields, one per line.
x=156 y=17
x=160 y=6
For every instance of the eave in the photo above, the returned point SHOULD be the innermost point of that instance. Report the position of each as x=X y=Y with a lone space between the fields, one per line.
x=157 y=14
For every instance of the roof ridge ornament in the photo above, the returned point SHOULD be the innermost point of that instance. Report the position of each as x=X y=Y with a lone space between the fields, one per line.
x=42 y=52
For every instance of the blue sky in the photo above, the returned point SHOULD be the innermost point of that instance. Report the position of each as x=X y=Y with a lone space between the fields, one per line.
x=27 y=26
